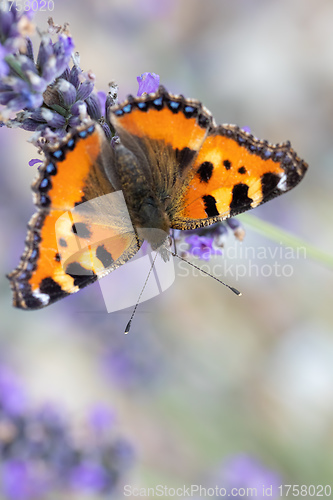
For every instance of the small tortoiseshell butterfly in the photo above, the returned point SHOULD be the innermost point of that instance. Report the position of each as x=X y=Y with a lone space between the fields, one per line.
x=176 y=169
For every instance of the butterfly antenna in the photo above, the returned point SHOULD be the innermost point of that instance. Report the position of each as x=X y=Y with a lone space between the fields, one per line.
x=237 y=292
x=128 y=326
x=174 y=240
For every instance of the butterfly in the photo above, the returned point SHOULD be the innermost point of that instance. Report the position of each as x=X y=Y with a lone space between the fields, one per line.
x=173 y=168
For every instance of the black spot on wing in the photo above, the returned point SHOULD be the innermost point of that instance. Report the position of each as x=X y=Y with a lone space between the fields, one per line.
x=242 y=170
x=240 y=199
x=81 y=229
x=32 y=302
x=227 y=164
x=184 y=157
x=205 y=171
x=52 y=288
x=269 y=182
x=104 y=256
x=210 y=205
x=57 y=257
x=62 y=242
x=80 y=274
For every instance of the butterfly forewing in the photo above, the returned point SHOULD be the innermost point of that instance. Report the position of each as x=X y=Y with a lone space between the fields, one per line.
x=74 y=238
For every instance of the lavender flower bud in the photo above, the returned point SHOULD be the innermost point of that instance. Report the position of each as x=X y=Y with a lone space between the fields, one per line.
x=93 y=107
x=85 y=90
x=67 y=92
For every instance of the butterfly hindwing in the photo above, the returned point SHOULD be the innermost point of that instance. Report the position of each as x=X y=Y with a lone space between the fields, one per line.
x=234 y=172
x=71 y=240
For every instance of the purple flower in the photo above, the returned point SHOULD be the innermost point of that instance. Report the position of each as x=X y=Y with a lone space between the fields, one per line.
x=25 y=83
x=89 y=477
x=14 y=27
x=245 y=471
x=21 y=481
x=4 y=68
x=148 y=83
x=102 y=99
x=134 y=365
x=12 y=397
x=38 y=452
x=202 y=246
x=101 y=418
x=207 y=241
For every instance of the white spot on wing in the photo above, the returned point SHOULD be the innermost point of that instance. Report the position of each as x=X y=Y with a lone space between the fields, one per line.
x=43 y=297
x=282 y=185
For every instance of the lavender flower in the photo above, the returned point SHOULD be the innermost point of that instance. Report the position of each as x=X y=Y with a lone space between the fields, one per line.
x=38 y=454
x=4 y=68
x=25 y=82
x=245 y=471
x=202 y=247
x=49 y=96
x=148 y=83
x=14 y=27
x=207 y=241
x=138 y=364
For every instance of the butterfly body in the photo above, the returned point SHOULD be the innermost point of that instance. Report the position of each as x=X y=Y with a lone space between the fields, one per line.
x=173 y=168
x=145 y=204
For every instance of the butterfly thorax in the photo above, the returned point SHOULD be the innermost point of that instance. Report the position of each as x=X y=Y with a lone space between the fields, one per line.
x=147 y=212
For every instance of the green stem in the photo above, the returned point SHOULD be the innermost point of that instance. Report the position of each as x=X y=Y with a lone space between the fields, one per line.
x=15 y=66
x=274 y=233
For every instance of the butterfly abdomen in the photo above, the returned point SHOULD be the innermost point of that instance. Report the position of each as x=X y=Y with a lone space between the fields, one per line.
x=145 y=207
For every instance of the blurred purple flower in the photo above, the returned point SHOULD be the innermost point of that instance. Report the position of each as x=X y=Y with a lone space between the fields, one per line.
x=13 y=399
x=148 y=83
x=207 y=241
x=21 y=481
x=89 y=477
x=101 y=418
x=245 y=471
x=102 y=99
x=4 y=68
x=135 y=364
x=14 y=27
x=38 y=451
x=202 y=246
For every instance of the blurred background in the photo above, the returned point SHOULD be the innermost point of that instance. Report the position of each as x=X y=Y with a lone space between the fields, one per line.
x=207 y=388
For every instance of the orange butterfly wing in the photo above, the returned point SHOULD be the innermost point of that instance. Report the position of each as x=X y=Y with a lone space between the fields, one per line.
x=72 y=239
x=235 y=172
x=202 y=172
